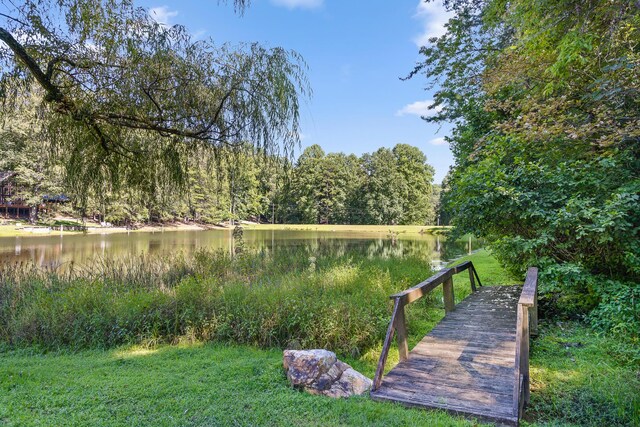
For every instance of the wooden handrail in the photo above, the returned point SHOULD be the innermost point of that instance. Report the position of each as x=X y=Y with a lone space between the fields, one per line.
x=401 y=299
x=527 y=324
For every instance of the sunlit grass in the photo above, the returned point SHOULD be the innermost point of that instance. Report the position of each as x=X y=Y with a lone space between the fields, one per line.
x=209 y=385
x=581 y=378
x=411 y=229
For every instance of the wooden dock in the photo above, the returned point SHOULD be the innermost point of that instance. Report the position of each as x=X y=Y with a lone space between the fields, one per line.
x=475 y=361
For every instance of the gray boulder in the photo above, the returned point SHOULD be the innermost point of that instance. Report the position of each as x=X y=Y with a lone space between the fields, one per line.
x=320 y=372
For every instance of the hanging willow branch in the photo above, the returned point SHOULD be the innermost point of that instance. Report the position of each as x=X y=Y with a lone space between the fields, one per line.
x=129 y=85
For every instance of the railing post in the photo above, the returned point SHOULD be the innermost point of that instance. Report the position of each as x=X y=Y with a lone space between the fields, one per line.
x=401 y=333
x=524 y=369
x=447 y=291
x=377 y=379
x=472 y=279
x=533 y=312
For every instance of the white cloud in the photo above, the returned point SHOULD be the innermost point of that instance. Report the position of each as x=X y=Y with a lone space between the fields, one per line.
x=303 y=4
x=163 y=15
x=419 y=108
x=433 y=16
x=438 y=141
x=198 y=35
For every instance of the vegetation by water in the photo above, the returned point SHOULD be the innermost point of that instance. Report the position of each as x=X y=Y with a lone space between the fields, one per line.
x=326 y=300
x=578 y=378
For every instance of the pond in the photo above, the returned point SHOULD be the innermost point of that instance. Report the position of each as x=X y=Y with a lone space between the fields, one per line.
x=56 y=251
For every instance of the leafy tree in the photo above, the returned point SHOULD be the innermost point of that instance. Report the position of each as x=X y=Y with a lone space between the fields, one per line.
x=25 y=150
x=125 y=96
x=418 y=175
x=384 y=189
x=547 y=140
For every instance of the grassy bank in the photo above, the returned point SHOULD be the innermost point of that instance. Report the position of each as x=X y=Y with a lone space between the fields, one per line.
x=410 y=229
x=578 y=377
x=22 y=228
x=13 y=230
x=261 y=298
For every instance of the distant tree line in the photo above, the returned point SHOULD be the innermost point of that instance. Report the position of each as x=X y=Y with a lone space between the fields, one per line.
x=389 y=186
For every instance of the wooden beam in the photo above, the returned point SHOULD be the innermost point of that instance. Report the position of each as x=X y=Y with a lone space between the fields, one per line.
x=447 y=292
x=377 y=379
x=530 y=288
x=423 y=288
x=471 y=279
x=401 y=333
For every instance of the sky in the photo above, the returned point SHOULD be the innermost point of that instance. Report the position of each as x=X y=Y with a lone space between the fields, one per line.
x=356 y=52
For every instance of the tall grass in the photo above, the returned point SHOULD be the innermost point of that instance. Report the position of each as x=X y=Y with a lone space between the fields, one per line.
x=286 y=299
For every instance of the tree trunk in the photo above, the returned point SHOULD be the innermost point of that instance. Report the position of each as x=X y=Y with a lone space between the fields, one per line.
x=33 y=214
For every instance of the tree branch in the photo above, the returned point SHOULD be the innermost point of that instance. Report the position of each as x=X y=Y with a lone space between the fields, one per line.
x=53 y=93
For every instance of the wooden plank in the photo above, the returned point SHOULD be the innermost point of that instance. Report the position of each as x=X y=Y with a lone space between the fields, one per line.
x=533 y=314
x=489 y=345
x=454 y=378
x=423 y=288
x=444 y=331
x=447 y=291
x=502 y=419
x=401 y=333
x=406 y=394
x=377 y=379
x=430 y=364
x=457 y=326
x=470 y=396
x=504 y=360
x=516 y=389
x=529 y=289
x=501 y=358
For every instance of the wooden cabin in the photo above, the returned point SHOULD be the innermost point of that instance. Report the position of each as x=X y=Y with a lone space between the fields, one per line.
x=11 y=206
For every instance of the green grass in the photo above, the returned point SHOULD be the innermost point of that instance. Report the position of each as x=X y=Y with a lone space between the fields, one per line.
x=339 y=302
x=193 y=385
x=578 y=377
x=410 y=229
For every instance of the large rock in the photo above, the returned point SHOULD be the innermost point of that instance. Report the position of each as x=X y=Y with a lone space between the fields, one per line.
x=320 y=372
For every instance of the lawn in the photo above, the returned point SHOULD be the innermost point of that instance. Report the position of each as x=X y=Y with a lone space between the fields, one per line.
x=410 y=229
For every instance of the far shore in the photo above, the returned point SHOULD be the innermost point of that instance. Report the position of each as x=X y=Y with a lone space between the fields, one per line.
x=23 y=229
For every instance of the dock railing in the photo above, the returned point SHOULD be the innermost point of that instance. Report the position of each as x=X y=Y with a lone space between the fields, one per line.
x=527 y=324
x=398 y=324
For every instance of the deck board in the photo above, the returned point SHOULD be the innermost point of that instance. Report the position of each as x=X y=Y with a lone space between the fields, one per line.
x=466 y=363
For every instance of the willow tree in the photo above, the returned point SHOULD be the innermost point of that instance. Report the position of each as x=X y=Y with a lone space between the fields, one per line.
x=125 y=98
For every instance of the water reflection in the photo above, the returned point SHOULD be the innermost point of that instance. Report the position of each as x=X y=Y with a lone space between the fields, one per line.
x=54 y=251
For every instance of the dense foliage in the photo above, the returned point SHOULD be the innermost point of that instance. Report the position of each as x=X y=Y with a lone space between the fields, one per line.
x=389 y=186
x=240 y=182
x=127 y=100
x=545 y=96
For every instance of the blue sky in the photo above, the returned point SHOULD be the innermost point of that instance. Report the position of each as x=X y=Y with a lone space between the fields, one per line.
x=356 y=51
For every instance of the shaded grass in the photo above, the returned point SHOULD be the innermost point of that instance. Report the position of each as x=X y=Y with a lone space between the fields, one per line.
x=580 y=378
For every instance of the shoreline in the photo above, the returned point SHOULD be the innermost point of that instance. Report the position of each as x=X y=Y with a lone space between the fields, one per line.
x=25 y=230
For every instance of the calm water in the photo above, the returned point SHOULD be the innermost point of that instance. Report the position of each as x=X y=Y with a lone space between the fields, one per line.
x=56 y=250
